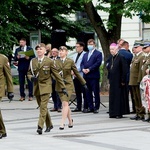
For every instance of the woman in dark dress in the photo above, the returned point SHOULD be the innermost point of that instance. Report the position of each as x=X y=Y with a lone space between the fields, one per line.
x=118 y=97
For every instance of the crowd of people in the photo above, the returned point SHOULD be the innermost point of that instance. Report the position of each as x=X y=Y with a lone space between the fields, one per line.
x=53 y=74
x=125 y=73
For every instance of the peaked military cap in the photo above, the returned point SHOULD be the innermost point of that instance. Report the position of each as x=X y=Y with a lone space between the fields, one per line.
x=146 y=44
x=137 y=44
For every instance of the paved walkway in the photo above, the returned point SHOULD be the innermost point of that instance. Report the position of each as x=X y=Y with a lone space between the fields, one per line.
x=90 y=131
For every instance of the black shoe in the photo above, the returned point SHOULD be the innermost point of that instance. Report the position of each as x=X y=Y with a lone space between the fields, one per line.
x=39 y=130
x=85 y=110
x=54 y=109
x=136 y=117
x=48 y=129
x=76 y=110
x=96 y=111
x=3 y=135
x=61 y=128
x=90 y=110
x=118 y=117
x=70 y=126
x=146 y=120
x=58 y=110
x=112 y=116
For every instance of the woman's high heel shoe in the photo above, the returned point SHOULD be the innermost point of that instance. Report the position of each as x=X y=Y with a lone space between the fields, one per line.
x=70 y=126
x=61 y=127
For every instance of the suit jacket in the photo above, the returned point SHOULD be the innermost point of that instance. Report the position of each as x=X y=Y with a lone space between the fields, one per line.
x=23 y=64
x=78 y=63
x=93 y=64
x=127 y=55
x=135 y=69
x=44 y=83
x=5 y=73
x=66 y=68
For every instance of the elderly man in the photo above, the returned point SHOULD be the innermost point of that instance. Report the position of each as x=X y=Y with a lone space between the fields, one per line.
x=118 y=97
x=55 y=96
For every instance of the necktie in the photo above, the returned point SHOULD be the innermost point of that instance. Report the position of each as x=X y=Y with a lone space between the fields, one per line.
x=54 y=59
x=39 y=63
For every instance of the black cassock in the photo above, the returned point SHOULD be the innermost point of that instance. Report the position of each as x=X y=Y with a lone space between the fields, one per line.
x=118 y=96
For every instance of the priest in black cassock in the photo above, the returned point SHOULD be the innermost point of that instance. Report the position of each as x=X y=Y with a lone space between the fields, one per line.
x=118 y=96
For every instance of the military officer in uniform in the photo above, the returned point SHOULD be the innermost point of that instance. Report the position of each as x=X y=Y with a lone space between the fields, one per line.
x=145 y=66
x=40 y=72
x=65 y=66
x=146 y=60
x=135 y=79
x=5 y=73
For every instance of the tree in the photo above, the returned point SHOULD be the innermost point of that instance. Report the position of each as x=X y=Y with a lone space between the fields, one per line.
x=109 y=34
x=109 y=31
x=19 y=17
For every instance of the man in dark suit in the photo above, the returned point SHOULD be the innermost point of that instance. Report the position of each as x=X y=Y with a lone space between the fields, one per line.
x=90 y=67
x=78 y=87
x=124 y=51
x=23 y=65
x=55 y=96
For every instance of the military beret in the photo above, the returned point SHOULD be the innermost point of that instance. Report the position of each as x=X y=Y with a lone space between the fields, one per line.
x=42 y=45
x=63 y=48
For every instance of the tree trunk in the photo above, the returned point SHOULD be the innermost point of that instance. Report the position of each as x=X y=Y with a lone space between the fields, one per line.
x=106 y=37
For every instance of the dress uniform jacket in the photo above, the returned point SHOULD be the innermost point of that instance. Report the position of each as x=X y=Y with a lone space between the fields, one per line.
x=65 y=69
x=135 y=71
x=44 y=71
x=5 y=73
x=43 y=86
x=145 y=64
x=135 y=79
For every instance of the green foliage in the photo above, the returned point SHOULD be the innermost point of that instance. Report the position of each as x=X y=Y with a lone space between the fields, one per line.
x=24 y=16
x=19 y=17
x=142 y=9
